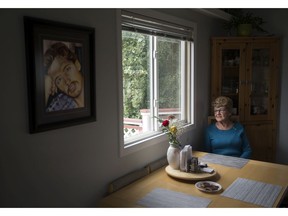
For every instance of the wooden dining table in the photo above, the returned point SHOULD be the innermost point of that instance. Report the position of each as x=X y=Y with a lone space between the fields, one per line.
x=268 y=176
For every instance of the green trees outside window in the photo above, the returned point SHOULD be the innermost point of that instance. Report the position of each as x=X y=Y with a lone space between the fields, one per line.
x=142 y=53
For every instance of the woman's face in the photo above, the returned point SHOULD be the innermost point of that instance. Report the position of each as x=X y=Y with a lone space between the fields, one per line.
x=67 y=76
x=221 y=114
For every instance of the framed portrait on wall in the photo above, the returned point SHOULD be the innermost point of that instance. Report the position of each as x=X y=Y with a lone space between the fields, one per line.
x=60 y=74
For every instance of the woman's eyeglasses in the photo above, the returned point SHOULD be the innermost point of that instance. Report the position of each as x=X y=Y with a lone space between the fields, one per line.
x=220 y=110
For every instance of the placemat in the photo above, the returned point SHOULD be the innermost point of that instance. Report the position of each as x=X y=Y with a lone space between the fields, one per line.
x=235 y=162
x=251 y=191
x=163 y=198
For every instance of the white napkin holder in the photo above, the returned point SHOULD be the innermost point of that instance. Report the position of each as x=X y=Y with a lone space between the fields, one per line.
x=185 y=155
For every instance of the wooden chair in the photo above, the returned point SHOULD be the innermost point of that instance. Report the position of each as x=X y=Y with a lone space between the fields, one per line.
x=127 y=179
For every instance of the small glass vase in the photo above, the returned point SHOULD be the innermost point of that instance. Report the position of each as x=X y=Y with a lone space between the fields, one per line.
x=173 y=156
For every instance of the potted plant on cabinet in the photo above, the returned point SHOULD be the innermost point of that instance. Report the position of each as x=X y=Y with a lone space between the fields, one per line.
x=244 y=23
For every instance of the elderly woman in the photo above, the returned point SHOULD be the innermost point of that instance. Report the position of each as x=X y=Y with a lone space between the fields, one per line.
x=226 y=137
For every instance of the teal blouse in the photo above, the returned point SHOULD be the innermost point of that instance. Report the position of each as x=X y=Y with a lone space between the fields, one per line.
x=232 y=142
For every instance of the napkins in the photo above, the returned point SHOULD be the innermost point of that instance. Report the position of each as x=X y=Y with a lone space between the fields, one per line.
x=185 y=155
x=207 y=170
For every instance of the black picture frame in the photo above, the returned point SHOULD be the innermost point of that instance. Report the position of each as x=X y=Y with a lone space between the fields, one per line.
x=60 y=94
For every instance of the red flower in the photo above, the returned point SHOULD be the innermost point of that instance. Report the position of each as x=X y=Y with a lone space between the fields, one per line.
x=165 y=123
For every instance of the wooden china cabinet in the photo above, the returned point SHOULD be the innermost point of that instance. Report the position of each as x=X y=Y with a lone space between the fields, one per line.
x=246 y=69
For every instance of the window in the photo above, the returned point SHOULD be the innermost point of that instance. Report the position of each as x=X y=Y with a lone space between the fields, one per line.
x=157 y=78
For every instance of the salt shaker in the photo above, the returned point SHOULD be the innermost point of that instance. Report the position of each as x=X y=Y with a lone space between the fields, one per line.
x=194 y=167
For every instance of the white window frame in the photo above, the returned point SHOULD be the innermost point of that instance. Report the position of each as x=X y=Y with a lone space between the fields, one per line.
x=156 y=137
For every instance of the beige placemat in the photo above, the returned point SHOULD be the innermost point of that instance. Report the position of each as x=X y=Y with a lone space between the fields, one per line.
x=229 y=161
x=251 y=191
x=163 y=198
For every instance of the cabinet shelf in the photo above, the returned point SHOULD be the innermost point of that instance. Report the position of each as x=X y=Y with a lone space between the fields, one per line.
x=231 y=67
x=259 y=95
x=230 y=94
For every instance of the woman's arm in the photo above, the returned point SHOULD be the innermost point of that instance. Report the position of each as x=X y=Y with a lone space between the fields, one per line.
x=207 y=141
x=246 y=149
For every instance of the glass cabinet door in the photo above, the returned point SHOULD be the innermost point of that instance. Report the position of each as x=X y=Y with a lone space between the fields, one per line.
x=230 y=76
x=259 y=83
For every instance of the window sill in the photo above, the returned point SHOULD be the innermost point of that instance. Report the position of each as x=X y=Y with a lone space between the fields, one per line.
x=158 y=137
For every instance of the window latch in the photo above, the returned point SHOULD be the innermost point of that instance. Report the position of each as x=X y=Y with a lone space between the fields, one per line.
x=155 y=54
x=155 y=103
